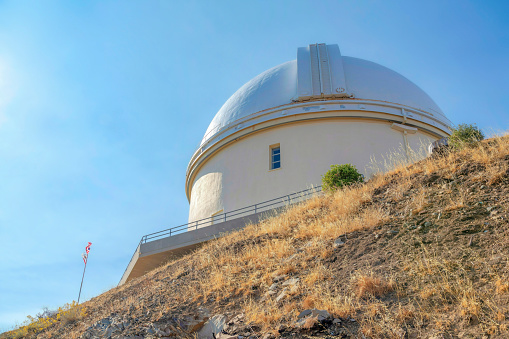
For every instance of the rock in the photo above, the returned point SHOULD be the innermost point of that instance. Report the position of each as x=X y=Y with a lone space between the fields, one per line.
x=279 y=277
x=304 y=313
x=237 y=319
x=194 y=324
x=339 y=241
x=105 y=321
x=292 y=281
x=427 y=224
x=281 y=295
x=293 y=256
x=225 y=336
x=336 y=321
x=322 y=313
x=212 y=327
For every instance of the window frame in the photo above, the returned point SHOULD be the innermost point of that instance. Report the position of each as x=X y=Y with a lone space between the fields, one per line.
x=272 y=148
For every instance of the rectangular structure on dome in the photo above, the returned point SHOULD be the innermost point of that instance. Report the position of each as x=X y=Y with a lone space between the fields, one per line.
x=325 y=74
x=320 y=72
x=338 y=82
x=304 y=87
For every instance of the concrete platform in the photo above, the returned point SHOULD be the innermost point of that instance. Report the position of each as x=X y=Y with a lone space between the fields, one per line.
x=153 y=254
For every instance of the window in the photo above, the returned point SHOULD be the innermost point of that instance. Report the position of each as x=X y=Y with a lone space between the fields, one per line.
x=275 y=157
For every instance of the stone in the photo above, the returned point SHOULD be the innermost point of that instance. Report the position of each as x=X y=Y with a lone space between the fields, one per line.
x=212 y=327
x=281 y=295
x=339 y=242
x=236 y=319
x=279 y=277
x=105 y=321
x=336 y=321
x=293 y=256
x=322 y=313
x=292 y=281
x=304 y=313
x=225 y=336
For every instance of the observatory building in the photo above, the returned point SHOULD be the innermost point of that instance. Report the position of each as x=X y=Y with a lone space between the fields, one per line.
x=282 y=130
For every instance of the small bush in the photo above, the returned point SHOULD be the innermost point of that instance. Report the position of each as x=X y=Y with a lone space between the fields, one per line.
x=339 y=176
x=465 y=135
x=65 y=315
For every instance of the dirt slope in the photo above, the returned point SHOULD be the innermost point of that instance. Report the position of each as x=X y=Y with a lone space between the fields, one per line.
x=421 y=252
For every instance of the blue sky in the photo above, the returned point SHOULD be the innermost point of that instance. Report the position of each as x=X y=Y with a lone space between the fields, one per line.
x=102 y=104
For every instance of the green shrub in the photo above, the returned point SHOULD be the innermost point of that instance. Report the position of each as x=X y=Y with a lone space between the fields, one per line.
x=465 y=135
x=339 y=176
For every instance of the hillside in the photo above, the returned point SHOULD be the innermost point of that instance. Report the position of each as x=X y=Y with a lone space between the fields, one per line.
x=420 y=252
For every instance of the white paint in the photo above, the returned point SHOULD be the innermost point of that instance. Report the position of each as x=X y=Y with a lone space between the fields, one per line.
x=207 y=195
x=307 y=151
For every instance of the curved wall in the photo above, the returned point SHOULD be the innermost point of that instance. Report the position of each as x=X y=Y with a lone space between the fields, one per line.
x=238 y=175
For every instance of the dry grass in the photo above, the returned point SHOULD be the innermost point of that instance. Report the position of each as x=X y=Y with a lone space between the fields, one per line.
x=457 y=199
x=413 y=288
x=501 y=285
x=370 y=285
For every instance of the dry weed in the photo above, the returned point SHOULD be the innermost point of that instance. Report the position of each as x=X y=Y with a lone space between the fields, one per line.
x=370 y=285
x=457 y=199
x=501 y=285
x=309 y=302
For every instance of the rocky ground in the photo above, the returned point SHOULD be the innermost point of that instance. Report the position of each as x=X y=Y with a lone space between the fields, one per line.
x=421 y=252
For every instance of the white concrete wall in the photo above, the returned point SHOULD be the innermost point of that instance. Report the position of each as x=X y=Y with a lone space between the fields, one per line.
x=239 y=175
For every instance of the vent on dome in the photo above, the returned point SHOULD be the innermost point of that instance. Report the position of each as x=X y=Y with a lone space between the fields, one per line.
x=324 y=70
x=320 y=72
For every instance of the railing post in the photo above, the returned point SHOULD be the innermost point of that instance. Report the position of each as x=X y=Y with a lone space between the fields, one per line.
x=196 y=224
x=255 y=208
x=225 y=217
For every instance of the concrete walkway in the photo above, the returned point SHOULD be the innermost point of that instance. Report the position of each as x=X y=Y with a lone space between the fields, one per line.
x=153 y=254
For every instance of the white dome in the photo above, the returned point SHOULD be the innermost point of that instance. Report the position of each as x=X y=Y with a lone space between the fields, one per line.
x=365 y=82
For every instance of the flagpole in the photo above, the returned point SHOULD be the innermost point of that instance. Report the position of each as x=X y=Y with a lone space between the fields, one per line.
x=82 y=280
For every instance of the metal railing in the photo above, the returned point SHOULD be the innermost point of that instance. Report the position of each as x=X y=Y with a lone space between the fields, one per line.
x=268 y=205
x=238 y=213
